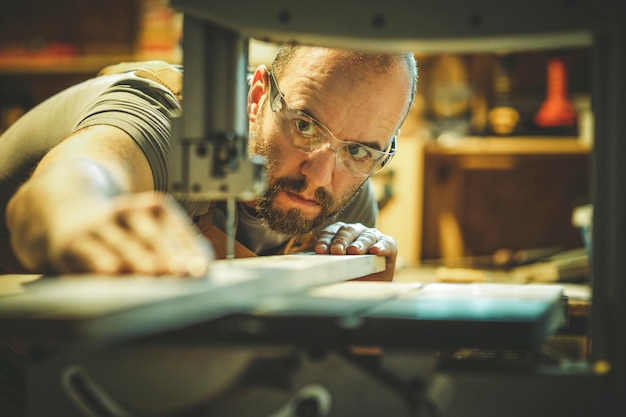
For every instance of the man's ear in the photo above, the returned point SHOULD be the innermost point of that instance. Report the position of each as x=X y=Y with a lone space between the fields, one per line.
x=258 y=89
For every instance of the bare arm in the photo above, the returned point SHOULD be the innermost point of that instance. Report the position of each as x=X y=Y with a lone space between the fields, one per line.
x=90 y=206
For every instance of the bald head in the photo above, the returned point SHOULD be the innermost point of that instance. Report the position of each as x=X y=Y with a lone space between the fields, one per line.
x=351 y=61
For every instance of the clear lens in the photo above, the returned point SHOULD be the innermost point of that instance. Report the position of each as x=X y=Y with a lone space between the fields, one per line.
x=309 y=136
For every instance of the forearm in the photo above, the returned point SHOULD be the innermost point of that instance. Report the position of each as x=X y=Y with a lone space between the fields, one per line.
x=90 y=207
x=56 y=196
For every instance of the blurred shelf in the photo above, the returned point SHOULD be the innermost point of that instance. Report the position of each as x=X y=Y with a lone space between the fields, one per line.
x=89 y=64
x=510 y=145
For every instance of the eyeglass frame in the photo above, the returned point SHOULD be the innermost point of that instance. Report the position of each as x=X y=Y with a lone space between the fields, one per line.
x=275 y=98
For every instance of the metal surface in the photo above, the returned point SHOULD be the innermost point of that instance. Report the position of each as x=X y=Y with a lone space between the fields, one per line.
x=291 y=346
x=488 y=25
x=94 y=311
x=608 y=320
x=209 y=158
x=427 y=317
x=420 y=26
x=269 y=381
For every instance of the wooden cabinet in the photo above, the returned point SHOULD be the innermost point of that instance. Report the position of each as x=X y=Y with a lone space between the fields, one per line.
x=483 y=194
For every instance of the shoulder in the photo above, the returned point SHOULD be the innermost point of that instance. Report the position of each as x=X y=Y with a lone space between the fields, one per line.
x=157 y=74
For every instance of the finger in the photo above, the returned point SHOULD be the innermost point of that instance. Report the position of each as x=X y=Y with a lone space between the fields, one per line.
x=134 y=253
x=344 y=237
x=185 y=250
x=364 y=242
x=87 y=254
x=327 y=235
x=112 y=249
x=384 y=247
x=118 y=252
x=387 y=247
x=325 y=238
x=153 y=222
x=149 y=236
x=170 y=238
x=135 y=241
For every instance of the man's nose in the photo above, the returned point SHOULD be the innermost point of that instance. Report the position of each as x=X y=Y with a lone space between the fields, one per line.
x=319 y=166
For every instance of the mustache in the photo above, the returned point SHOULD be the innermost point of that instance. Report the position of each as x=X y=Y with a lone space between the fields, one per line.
x=297 y=185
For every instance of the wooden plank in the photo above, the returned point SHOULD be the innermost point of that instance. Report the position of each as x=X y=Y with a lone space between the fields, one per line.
x=294 y=271
x=97 y=308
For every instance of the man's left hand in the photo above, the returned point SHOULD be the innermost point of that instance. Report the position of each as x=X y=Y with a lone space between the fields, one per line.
x=356 y=239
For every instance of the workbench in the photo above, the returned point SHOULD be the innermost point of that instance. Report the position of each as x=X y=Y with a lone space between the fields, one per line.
x=264 y=343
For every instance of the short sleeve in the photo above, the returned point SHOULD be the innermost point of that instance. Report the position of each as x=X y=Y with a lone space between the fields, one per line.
x=143 y=109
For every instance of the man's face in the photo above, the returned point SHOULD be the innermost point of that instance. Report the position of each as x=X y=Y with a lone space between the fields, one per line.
x=292 y=205
x=355 y=104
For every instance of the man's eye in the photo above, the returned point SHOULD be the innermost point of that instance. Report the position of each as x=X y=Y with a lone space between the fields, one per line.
x=305 y=127
x=359 y=152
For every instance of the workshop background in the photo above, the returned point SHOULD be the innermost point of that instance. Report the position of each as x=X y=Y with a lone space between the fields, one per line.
x=493 y=158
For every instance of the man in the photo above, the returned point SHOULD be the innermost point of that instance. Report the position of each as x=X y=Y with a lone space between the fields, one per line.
x=92 y=157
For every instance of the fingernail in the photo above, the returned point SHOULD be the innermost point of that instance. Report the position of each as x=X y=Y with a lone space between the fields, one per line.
x=339 y=246
x=357 y=245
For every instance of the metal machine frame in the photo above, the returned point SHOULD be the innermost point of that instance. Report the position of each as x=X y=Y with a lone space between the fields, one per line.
x=479 y=25
x=124 y=348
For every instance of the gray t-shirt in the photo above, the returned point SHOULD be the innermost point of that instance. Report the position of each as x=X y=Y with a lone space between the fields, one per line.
x=143 y=109
x=140 y=107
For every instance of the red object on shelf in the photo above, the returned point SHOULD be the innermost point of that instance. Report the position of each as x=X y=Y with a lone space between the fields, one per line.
x=556 y=110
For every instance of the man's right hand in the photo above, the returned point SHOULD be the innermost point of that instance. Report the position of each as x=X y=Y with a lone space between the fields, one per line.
x=143 y=233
